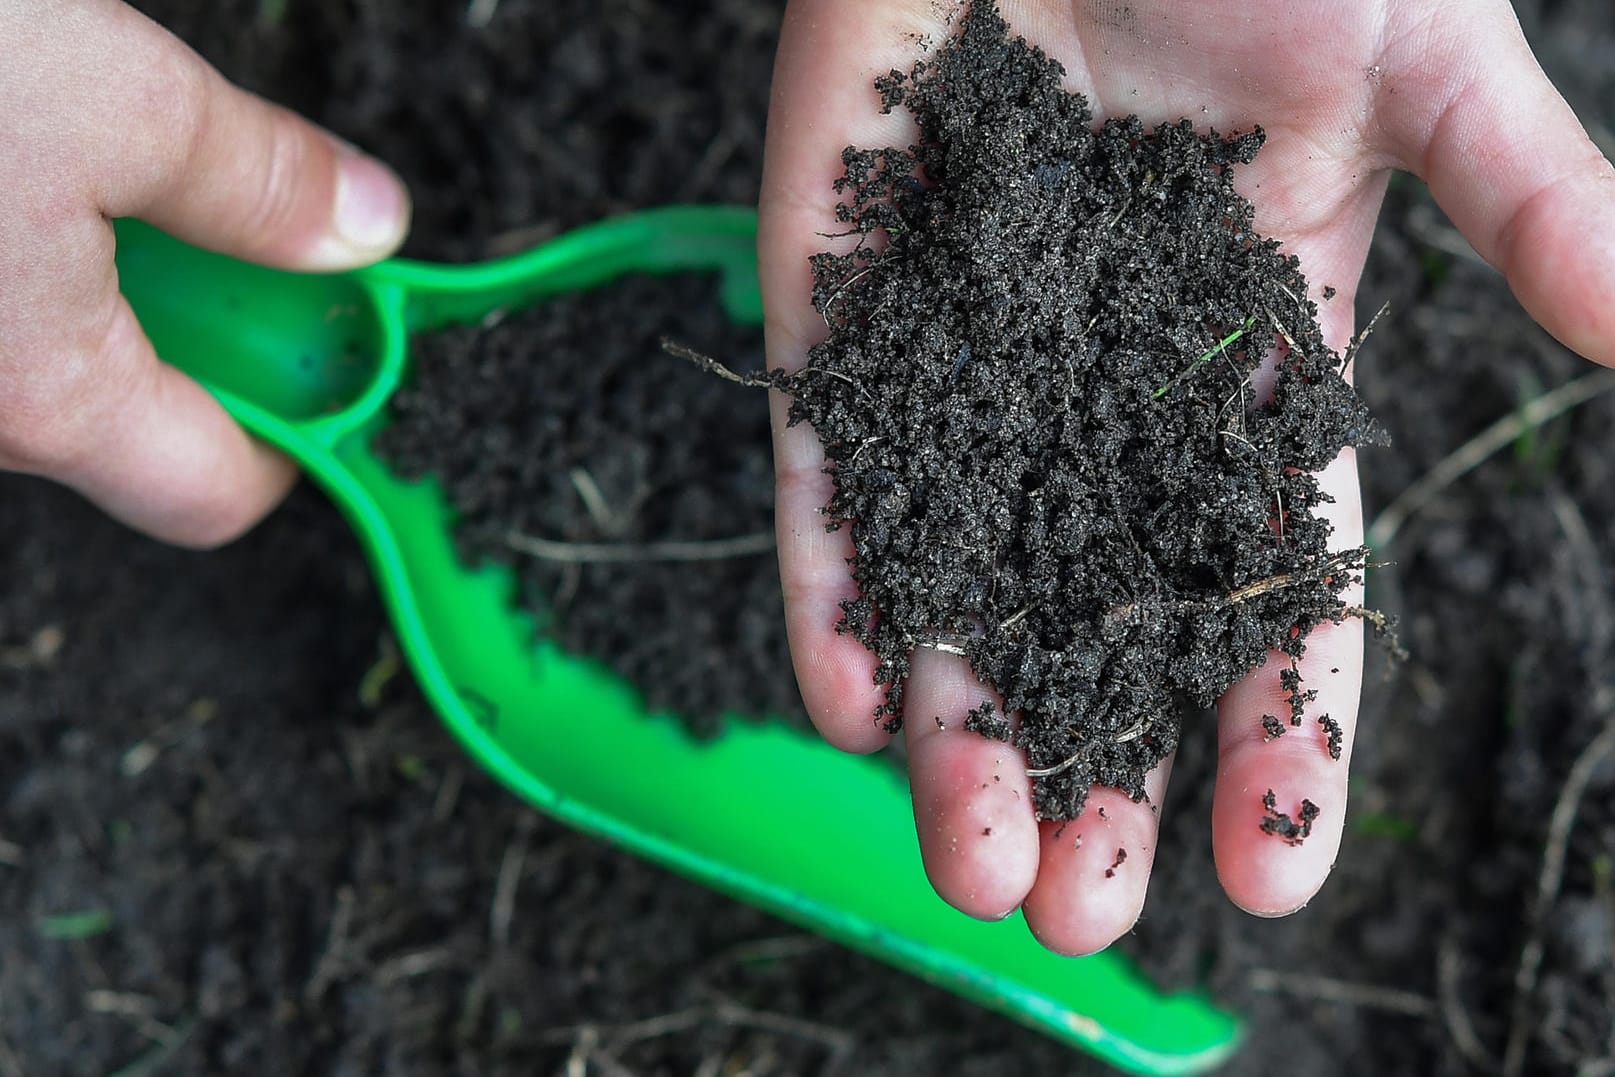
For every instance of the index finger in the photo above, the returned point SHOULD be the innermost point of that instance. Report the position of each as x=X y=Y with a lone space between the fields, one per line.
x=824 y=100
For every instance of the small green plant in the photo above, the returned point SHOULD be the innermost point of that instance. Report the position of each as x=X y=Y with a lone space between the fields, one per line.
x=72 y=926
x=1216 y=349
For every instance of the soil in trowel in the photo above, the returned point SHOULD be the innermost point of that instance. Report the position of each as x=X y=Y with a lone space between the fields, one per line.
x=633 y=494
x=1037 y=396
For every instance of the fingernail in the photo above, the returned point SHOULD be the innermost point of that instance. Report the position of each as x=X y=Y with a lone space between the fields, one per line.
x=372 y=207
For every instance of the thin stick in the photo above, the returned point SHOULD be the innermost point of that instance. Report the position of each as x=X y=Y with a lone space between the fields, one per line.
x=334 y=957
x=1549 y=880
x=615 y=553
x=722 y=1010
x=1373 y=617
x=713 y=366
x=1357 y=343
x=1065 y=764
x=1133 y=732
x=1283 y=332
x=1478 y=449
x=1284 y=579
x=944 y=645
x=1216 y=350
x=503 y=910
x=842 y=287
x=593 y=500
x=1345 y=992
x=1015 y=618
x=1453 y=1015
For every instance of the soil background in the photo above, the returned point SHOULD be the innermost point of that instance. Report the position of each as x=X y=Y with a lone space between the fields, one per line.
x=292 y=869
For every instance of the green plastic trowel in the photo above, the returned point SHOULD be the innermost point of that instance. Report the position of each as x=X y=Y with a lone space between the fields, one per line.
x=765 y=813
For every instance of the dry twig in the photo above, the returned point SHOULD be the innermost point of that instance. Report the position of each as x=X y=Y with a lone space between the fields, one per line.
x=1345 y=992
x=1549 y=879
x=1460 y=1029
x=504 y=891
x=1478 y=449
x=598 y=553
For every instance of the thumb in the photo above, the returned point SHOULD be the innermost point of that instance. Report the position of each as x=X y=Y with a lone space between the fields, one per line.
x=1507 y=160
x=241 y=176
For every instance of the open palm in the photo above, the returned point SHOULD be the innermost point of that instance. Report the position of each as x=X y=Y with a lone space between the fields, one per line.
x=1346 y=93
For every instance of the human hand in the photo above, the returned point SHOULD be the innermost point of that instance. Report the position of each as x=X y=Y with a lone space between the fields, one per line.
x=103 y=114
x=1345 y=93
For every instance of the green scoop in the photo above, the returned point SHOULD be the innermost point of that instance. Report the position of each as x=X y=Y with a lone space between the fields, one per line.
x=765 y=813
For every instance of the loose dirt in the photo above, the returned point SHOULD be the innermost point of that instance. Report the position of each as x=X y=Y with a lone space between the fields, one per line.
x=1051 y=433
x=634 y=497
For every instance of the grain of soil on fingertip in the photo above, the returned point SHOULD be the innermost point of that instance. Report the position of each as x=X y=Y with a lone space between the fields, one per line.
x=1040 y=400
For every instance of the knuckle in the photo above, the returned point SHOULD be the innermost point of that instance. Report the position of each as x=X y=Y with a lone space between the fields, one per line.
x=188 y=108
x=277 y=204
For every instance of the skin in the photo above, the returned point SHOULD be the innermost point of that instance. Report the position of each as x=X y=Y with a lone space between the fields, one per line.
x=1446 y=89
x=107 y=115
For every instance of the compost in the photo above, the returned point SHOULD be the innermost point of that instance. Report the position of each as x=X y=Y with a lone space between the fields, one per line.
x=1039 y=396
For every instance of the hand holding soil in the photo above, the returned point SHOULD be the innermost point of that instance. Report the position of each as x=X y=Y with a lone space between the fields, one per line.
x=107 y=115
x=1343 y=97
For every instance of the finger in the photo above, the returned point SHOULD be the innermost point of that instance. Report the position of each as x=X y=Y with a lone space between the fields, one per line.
x=134 y=435
x=115 y=117
x=226 y=170
x=1095 y=869
x=830 y=52
x=1262 y=870
x=1468 y=108
x=834 y=671
x=972 y=798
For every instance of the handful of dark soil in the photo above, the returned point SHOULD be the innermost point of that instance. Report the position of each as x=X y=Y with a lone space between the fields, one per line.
x=633 y=495
x=1037 y=400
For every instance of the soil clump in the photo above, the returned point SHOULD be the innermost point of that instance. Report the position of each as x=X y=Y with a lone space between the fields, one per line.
x=1042 y=400
x=633 y=497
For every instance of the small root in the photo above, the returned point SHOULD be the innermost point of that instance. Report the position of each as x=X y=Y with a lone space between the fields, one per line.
x=1133 y=732
x=1478 y=449
x=1549 y=880
x=1345 y=992
x=713 y=366
x=1460 y=1028
x=1357 y=343
x=603 y=553
x=1349 y=559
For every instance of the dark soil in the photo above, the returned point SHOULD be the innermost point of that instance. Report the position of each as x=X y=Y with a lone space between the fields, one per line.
x=297 y=879
x=1037 y=400
x=634 y=496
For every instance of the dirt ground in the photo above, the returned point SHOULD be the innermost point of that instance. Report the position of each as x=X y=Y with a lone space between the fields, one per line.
x=232 y=839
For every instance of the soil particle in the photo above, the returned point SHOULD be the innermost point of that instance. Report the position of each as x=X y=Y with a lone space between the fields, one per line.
x=1335 y=734
x=1121 y=858
x=1293 y=831
x=1037 y=399
x=987 y=722
x=572 y=448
